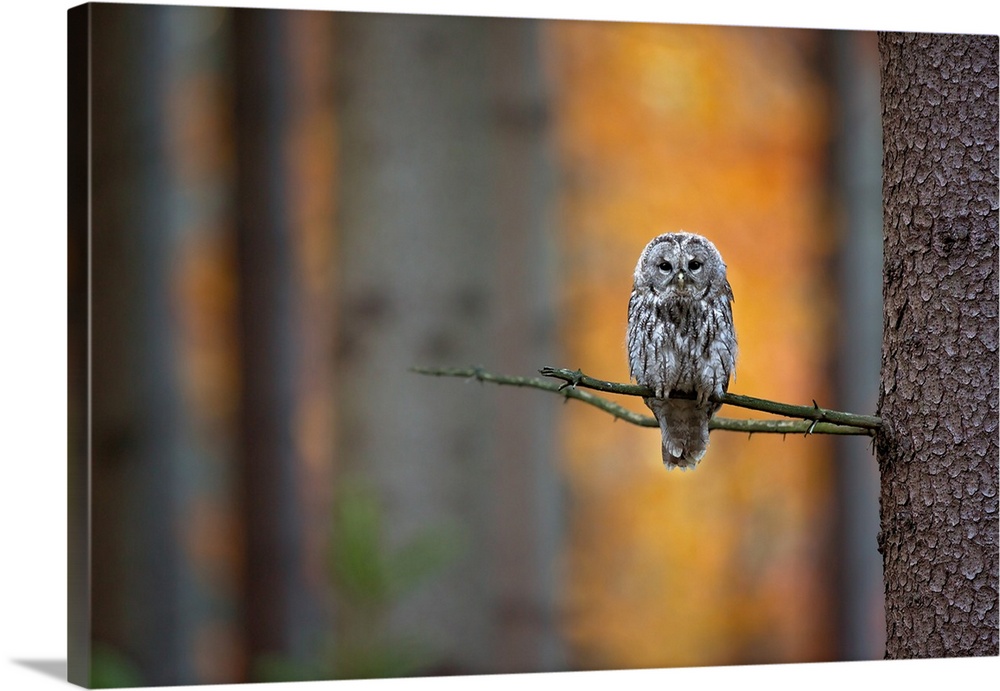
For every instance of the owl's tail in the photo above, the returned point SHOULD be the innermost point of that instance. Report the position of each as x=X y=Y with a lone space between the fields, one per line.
x=683 y=430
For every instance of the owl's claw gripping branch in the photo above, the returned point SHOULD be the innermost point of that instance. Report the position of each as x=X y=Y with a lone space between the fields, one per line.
x=571 y=380
x=813 y=419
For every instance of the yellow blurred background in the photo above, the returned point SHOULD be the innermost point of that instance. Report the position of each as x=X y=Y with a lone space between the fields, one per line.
x=719 y=131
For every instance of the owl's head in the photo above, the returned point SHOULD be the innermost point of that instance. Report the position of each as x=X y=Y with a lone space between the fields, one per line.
x=682 y=265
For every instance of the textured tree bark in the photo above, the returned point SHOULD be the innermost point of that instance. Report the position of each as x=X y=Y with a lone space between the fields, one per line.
x=938 y=447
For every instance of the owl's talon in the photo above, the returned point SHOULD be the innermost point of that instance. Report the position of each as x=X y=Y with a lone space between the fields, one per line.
x=577 y=377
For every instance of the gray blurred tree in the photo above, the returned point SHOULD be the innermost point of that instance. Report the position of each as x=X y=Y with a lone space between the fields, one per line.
x=442 y=240
x=856 y=155
x=281 y=609
x=141 y=583
x=938 y=446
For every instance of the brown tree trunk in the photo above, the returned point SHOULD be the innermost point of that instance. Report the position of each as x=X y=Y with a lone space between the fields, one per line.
x=938 y=447
x=280 y=606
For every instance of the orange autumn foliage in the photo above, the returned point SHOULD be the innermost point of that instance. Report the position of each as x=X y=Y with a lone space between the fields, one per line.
x=719 y=131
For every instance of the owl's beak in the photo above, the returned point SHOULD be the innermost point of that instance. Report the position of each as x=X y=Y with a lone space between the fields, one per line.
x=680 y=278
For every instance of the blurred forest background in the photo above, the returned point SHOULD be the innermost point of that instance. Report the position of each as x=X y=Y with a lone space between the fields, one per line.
x=290 y=209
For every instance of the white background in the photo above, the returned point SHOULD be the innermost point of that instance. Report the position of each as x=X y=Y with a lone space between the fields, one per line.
x=33 y=350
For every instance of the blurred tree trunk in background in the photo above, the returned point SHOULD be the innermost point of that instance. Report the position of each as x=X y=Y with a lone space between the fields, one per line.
x=528 y=509
x=442 y=261
x=938 y=449
x=141 y=582
x=281 y=614
x=856 y=153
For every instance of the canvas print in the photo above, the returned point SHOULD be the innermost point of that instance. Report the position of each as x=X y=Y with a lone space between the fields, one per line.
x=415 y=346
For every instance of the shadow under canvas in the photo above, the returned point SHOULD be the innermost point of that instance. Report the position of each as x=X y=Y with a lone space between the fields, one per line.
x=50 y=668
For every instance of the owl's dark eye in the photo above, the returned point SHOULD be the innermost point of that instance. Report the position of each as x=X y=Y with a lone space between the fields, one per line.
x=694 y=265
x=665 y=266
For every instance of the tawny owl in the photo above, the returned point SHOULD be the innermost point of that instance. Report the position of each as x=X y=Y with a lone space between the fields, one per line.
x=681 y=338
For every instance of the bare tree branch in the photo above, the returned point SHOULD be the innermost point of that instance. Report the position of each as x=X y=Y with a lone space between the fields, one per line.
x=814 y=412
x=814 y=420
